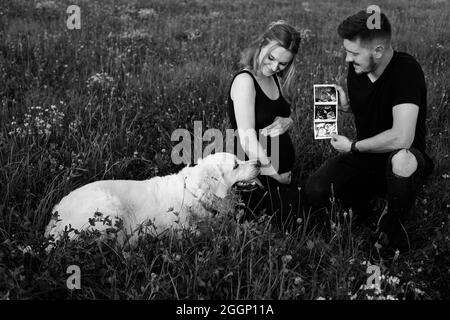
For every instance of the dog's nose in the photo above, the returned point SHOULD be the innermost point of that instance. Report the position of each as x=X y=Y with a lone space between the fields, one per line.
x=258 y=164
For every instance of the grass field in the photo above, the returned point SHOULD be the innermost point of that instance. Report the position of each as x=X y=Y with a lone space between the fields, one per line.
x=101 y=103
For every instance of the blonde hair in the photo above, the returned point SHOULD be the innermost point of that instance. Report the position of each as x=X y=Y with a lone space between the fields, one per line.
x=285 y=36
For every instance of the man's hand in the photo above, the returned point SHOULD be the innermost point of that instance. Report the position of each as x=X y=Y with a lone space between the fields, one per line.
x=343 y=101
x=341 y=143
x=279 y=126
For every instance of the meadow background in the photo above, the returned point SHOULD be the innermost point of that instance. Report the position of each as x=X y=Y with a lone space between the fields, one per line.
x=101 y=103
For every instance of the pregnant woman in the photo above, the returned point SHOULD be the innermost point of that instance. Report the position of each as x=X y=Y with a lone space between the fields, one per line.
x=261 y=115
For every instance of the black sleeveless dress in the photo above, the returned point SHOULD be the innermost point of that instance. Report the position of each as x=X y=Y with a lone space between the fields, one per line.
x=266 y=110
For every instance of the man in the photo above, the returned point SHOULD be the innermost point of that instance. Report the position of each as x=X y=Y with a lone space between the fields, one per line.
x=387 y=96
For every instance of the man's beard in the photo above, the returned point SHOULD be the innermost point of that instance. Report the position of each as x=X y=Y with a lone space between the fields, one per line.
x=370 y=68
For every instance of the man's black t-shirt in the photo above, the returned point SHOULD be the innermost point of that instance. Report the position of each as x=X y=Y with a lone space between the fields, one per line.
x=402 y=81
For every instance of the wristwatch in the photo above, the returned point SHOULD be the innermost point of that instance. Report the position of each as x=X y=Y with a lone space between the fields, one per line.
x=353 y=148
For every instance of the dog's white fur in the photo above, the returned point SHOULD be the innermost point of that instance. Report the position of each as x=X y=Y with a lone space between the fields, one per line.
x=159 y=203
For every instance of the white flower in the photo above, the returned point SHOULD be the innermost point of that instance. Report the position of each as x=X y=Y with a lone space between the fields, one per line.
x=46 y=5
x=147 y=13
x=393 y=280
x=286 y=259
x=418 y=291
x=298 y=280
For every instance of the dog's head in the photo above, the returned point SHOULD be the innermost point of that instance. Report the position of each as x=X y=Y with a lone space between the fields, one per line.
x=218 y=172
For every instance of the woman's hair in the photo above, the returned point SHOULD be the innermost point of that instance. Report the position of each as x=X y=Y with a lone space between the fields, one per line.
x=286 y=37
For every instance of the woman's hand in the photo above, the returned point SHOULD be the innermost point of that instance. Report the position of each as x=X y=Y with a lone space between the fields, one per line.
x=284 y=178
x=279 y=126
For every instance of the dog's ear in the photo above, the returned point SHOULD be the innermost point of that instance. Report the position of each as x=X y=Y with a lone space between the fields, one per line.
x=217 y=182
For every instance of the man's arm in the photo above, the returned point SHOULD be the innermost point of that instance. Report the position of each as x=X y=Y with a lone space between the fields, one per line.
x=400 y=136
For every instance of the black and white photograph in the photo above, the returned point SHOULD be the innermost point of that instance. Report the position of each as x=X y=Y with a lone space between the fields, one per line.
x=235 y=153
x=325 y=94
x=325 y=112
x=323 y=130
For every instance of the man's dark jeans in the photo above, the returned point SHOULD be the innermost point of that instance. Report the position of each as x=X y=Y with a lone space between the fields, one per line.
x=357 y=178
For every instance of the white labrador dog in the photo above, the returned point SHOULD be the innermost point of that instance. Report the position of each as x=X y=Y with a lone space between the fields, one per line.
x=158 y=203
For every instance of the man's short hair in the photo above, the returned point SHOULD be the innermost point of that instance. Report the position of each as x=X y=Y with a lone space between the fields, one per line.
x=355 y=27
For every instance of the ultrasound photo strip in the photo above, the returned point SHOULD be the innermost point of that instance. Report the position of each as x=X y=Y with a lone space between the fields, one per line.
x=325 y=111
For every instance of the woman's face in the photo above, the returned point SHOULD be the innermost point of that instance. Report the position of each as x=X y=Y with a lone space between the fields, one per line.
x=273 y=59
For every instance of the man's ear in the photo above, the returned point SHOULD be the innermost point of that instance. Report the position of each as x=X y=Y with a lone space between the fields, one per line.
x=379 y=50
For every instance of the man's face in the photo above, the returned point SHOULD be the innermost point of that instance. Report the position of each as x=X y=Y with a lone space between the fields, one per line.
x=360 y=56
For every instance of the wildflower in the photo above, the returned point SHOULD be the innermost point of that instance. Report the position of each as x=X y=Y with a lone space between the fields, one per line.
x=446 y=176
x=139 y=34
x=393 y=280
x=286 y=259
x=298 y=280
x=215 y=14
x=396 y=255
x=306 y=7
x=306 y=34
x=418 y=291
x=99 y=80
x=320 y=298
x=46 y=5
x=73 y=126
x=37 y=120
x=147 y=13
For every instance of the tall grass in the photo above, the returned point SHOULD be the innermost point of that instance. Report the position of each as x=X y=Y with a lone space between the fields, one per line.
x=102 y=102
